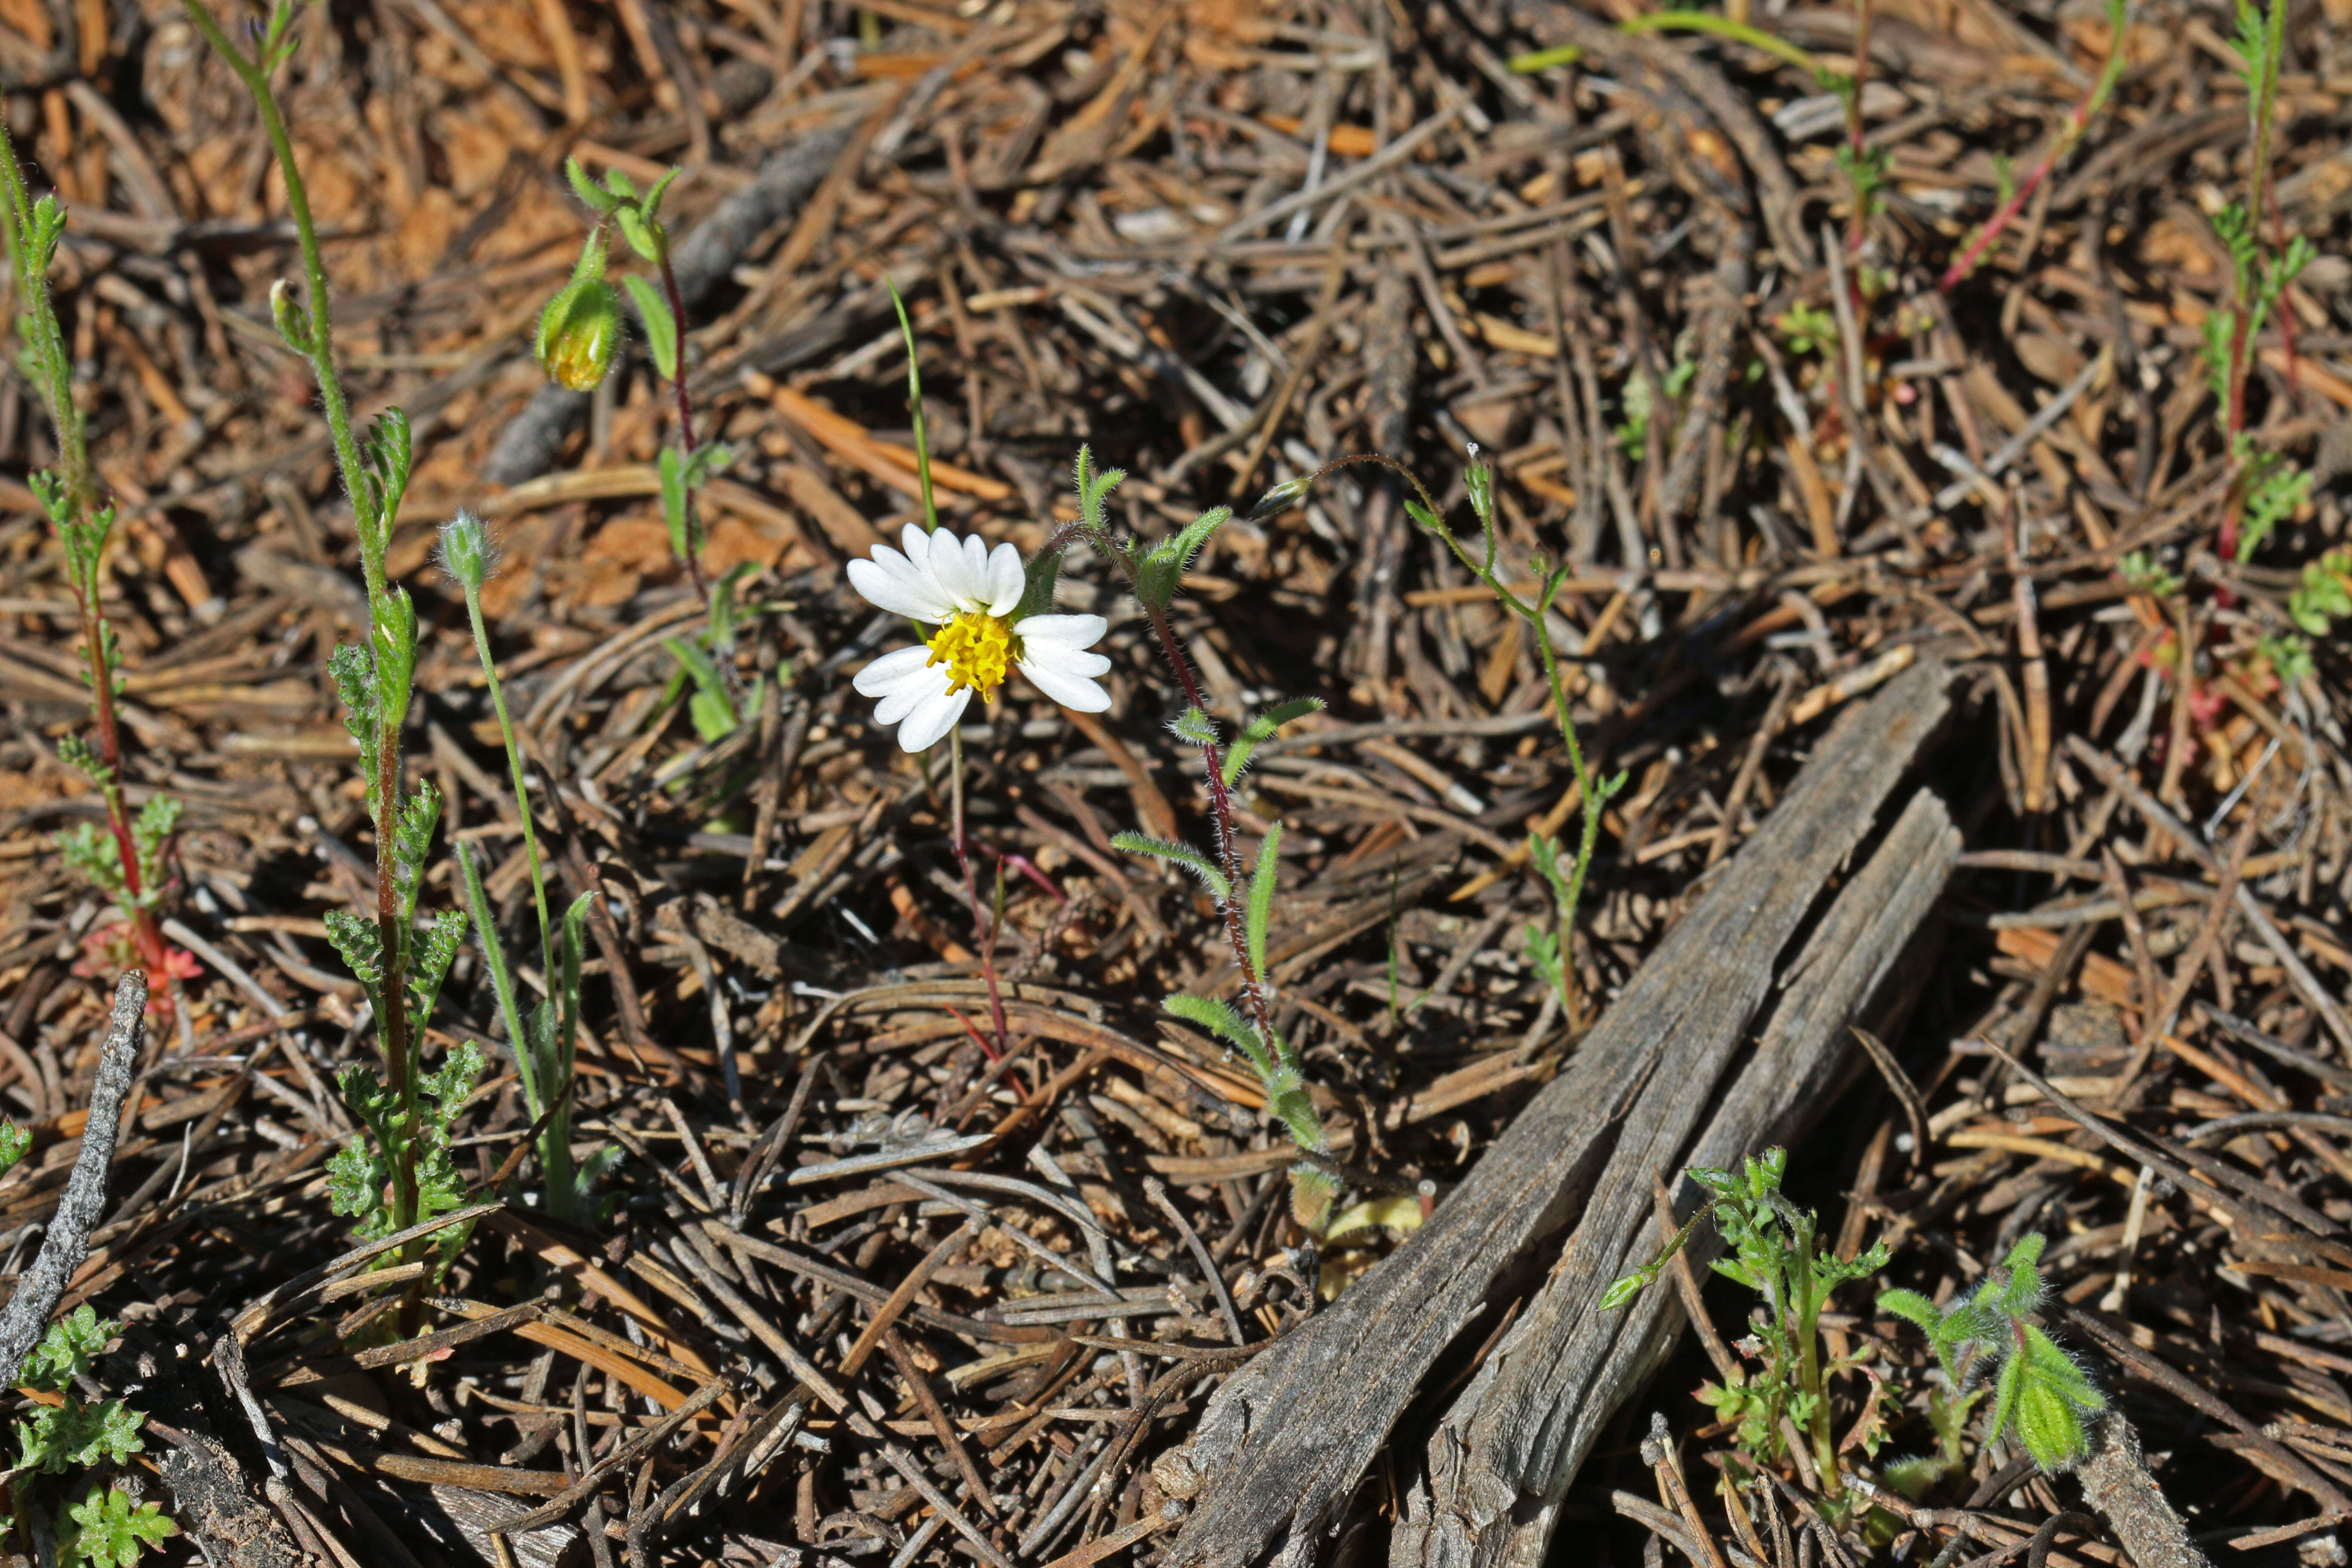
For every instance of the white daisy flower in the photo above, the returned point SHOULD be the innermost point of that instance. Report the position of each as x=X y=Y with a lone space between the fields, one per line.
x=972 y=594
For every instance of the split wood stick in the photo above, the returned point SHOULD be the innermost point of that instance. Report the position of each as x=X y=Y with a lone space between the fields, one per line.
x=1284 y=1442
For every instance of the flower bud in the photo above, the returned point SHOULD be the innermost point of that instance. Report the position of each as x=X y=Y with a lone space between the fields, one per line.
x=1282 y=497
x=293 y=321
x=466 y=551
x=581 y=328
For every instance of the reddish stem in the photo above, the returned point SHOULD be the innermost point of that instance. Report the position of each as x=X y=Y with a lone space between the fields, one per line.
x=684 y=424
x=146 y=934
x=1221 y=810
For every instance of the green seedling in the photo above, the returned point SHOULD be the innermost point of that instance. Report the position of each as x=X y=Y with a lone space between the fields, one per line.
x=70 y=1438
x=1640 y=408
x=1774 y=1250
x=544 y=1039
x=2041 y=1396
x=1593 y=792
x=2267 y=488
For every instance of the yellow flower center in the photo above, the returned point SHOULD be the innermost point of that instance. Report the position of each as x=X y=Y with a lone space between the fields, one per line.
x=977 y=649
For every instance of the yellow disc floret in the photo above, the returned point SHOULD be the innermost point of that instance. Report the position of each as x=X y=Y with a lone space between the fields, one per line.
x=977 y=649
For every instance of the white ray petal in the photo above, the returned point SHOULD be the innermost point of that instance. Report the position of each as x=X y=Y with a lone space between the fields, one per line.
x=1006 y=581
x=1067 y=683
x=890 y=582
x=932 y=719
x=891 y=671
x=1065 y=631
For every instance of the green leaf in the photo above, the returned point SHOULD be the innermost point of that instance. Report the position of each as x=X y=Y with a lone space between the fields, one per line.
x=661 y=327
x=494 y=958
x=711 y=710
x=1037 y=596
x=15 y=1141
x=1093 y=490
x=428 y=966
x=594 y=195
x=1264 y=728
x=386 y=457
x=359 y=944
x=413 y=820
x=1261 y=896
x=292 y=322
x=356 y=1176
x=651 y=206
x=1620 y=1291
x=673 y=498
x=1193 y=727
x=1160 y=573
x=53 y=1439
x=1220 y=1019
x=1183 y=855
x=107 y=1529
x=354 y=675
x=66 y=1346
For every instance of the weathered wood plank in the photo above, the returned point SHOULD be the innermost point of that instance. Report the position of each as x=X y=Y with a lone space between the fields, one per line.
x=1502 y=1457
x=1284 y=1442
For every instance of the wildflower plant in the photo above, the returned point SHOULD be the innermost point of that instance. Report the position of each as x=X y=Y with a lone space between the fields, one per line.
x=126 y=861
x=1550 y=954
x=405 y=1175
x=1774 y=1249
x=543 y=1039
x=580 y=333
x=2268 y=488
x=1244 y=898
x=2041 y=1394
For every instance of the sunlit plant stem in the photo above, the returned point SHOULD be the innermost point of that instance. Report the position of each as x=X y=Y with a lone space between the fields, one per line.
x=374 y=478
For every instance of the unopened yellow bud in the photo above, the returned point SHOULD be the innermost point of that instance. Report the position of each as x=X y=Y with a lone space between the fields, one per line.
x=581 y=328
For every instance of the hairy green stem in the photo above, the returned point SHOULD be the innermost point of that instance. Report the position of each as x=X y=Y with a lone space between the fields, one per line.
x=1587 y=783
x=373 y=531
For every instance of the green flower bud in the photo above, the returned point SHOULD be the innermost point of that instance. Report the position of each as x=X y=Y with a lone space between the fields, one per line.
x=581 y=328
x=1282 y=497
x=293 y=321
x=466 y=551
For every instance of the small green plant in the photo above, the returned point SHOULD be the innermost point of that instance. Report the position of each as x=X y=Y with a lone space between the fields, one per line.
x=108 y=1529
x=1593 y=792
x=1774 y=1250
x=104 y=1528
x=2012 y=196
x=579 y=335
x=405 y=1176
x=2324 y=597
x=1245 y=899
x=2041 y=1394
x=1633 y=434
x=544 y=1041
x=126 y=862
x=580 y=328
x=1806 y=328
x=2143 y=573
x=2267 y=488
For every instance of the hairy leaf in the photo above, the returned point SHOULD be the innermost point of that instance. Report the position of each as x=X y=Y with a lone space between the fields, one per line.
x=1183 y=855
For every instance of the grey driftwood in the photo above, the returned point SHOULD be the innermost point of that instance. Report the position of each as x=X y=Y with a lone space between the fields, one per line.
x=26 y=1316
x=1503 y=1456
x=1283 y=1443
